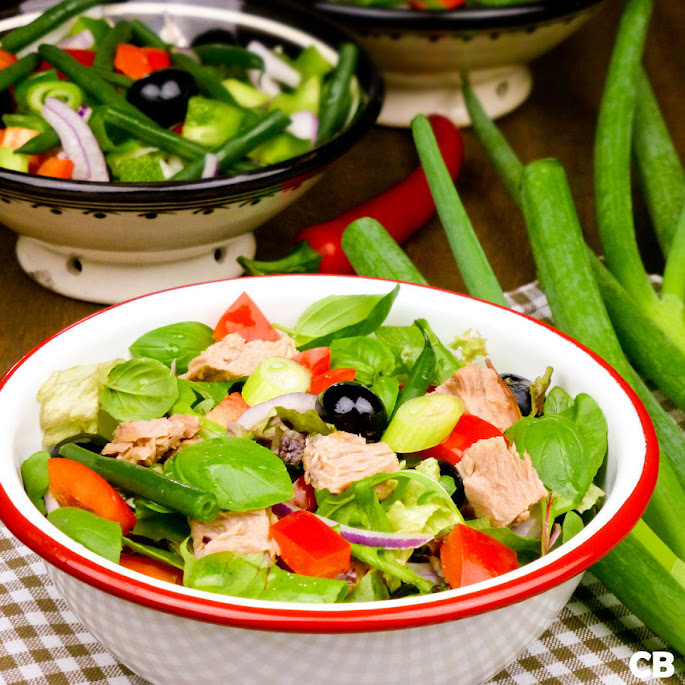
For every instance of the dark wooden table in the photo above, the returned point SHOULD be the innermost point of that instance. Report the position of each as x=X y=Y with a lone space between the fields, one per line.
x=557 y=120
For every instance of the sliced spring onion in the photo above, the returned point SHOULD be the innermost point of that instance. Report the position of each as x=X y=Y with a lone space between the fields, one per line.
x=423 y=422
x=359 y=536
x=273 y=377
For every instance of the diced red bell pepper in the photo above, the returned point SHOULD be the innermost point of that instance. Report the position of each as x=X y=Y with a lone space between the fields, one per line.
x=158 y=58
x=469 y=429
x=56 y=168
x=323 y=381
x=75 y=485
x=131 y=61
x=310 y=547
x=231 y=408
x=469 y=556
x=317 y=360
x=246 y=319
x=7 y=58
x=152 y=567
x=437 y=4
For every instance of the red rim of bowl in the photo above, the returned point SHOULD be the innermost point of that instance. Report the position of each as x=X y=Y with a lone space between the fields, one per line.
x=439 y=608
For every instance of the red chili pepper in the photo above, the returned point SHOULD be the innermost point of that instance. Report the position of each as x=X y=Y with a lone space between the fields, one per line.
x=401 y=210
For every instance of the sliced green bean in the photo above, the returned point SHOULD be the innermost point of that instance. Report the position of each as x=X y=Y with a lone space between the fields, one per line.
x=229 y=55
x=147 y=483
x=106 y=50
x=53 y=17
x=335 y=99
x=154 y=135
x=41 y=143
x=468 y=252
x=372 y=251
x=22 y=67
x=236 y=148
x=146 y=36
x=659 y=169
x=113 y=77
x=206 y=80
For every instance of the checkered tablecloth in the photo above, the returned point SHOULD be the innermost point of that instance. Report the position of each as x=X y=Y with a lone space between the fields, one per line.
x=43 y=643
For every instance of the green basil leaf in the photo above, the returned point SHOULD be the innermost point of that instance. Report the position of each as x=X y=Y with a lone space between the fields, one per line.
x=557 y=400
x=388 y=389
x=139 y=389
x=407 y=342
x=241 y=474
x=178 y=342
x=370 y=357
x=558 y=452
x=157 y=553
x=158 y=525
x=341 y=316
x=95 y=533
x=571 y=526
x=34 y=474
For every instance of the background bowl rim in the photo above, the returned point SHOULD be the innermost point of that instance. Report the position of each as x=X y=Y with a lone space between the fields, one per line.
x=329 y=32
x=459 y=19
x=264 y=615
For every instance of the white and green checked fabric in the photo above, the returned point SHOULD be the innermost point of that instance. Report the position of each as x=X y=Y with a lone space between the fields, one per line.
x=43 y=643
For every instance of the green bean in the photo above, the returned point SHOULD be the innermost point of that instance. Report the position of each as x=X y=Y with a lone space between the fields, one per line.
x=659 y=169
x=89 y=80
x=421 y=372
x=154 y=135
x=372 y=251
x=229 y=55
x=146 y=36
x=41 y=143
x=22 y=67
x=147 y=483
x=503 y=158
x=104 y=55
x=47 y=21
x=113 y=77
x=335 y=100
x=206 y=80
x=468 y=252
x=236 y=148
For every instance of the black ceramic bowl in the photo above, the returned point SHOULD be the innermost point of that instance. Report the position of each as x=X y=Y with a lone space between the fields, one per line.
x=106 y=242
x=422 y=53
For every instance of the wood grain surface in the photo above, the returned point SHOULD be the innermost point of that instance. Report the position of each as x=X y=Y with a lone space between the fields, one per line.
x=558 y=120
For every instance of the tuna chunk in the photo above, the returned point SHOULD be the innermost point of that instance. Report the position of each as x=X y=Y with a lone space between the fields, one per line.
x=147 y=442
x=335 y=461
x=484 y=394
x=234 y=357
x=499 y=484
x=246 y=532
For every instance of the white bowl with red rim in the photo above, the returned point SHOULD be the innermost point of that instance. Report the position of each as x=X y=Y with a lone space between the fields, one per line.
x=170 y=634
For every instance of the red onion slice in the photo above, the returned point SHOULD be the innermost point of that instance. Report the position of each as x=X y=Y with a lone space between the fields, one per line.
x=83 y=40
x=358 y=536
x=78 y=141
x=303 y=124
x=299 y=401
x=211 y=167
x=274 y=66
x=263 y=82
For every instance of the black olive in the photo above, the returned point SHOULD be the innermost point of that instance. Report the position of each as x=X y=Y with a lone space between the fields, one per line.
x=448 y=469
x=5 y=102
x=520 y=386
x=89 y=441
x=163 y=95
x=214 y=36
x=353 y=408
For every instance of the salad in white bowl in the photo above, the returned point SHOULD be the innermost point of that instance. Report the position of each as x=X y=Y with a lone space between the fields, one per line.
x=331 y=522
